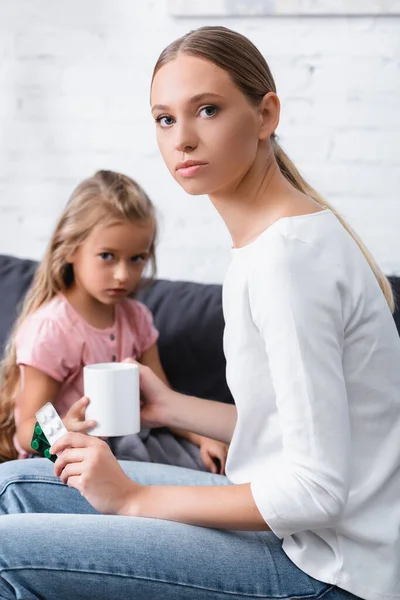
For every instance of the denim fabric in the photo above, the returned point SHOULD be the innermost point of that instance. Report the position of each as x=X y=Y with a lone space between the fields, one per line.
x=83 y=555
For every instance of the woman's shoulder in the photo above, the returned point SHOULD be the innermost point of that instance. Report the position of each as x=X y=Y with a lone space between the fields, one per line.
x=298 y=244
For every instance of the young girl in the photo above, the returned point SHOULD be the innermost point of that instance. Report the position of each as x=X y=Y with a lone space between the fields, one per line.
x=313 y=361
x=79 y=311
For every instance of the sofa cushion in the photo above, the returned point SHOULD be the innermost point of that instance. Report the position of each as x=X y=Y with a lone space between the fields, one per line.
x=15 y=278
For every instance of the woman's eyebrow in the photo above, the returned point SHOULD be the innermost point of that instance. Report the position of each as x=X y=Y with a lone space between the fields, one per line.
x=191 y=100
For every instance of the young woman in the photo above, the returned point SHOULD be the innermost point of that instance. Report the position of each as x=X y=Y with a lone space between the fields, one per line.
x=313 y=360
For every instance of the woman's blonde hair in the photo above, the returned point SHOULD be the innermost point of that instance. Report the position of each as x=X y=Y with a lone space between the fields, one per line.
x=248 y=69
x=105 y=198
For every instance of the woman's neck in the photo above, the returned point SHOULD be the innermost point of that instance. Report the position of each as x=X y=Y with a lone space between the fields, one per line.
x=262 y=197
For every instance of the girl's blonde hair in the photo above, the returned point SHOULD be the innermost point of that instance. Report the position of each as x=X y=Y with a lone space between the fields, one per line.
x=248 y=69
x=105 y=198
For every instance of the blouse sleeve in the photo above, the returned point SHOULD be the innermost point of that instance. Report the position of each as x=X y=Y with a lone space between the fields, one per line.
x=296 y=305
x=146 y=333
x=43 y=345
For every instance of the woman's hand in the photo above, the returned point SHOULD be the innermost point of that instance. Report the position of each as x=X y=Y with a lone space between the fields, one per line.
x=74 y=420
x=212 y=452
x=87 y=464
x=157 y=398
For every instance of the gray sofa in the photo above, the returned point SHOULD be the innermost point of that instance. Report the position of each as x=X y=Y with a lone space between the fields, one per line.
x=188 y=316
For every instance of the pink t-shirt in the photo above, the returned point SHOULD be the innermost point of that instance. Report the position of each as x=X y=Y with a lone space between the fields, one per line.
x=59 y=342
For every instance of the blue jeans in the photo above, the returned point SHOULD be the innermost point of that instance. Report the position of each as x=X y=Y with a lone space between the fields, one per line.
x=67 y=550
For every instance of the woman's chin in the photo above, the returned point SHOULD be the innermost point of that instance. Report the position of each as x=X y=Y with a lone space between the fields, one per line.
x=195 y=188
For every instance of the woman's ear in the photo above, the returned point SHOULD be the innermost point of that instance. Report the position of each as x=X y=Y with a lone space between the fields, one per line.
x=269 y=110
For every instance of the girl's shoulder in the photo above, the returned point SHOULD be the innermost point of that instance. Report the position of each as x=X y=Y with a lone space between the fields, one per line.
x=132 y=308
x=51 y=319
x=47 y=341
x=140 y=322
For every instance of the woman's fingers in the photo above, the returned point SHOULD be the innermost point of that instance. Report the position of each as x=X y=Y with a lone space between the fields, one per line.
x=74 y=481
x=74 y=440
x=71 y=470
x=69 y=456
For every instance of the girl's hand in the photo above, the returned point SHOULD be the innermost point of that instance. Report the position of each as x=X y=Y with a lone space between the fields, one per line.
x=88 y=465
x=157 y=398
x=74 y=420
x=209 y=451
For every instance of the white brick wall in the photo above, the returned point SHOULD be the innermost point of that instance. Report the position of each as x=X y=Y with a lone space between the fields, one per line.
x=74 y=86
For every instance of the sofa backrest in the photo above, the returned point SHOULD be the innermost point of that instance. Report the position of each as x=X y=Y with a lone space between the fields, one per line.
x=188 y=316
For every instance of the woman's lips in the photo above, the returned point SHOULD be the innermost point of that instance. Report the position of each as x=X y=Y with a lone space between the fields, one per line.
x=189 y=168
x=189 y=171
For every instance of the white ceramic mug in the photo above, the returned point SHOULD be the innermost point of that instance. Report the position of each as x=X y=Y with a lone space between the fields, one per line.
x=114 y=395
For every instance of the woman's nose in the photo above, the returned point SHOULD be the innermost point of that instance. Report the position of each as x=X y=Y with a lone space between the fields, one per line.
x=186 y=138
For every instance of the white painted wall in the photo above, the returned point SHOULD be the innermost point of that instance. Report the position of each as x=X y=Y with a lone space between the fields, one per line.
x=74 y=86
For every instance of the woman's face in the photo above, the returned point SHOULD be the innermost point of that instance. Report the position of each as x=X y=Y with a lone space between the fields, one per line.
x=207 y=130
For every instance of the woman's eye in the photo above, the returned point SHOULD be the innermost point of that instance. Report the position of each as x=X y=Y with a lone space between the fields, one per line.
x=107 y=256
x=165 y=122
x=208 y=111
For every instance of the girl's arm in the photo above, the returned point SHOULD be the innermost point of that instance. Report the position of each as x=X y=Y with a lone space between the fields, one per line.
x=39 y=388
x=201 y=419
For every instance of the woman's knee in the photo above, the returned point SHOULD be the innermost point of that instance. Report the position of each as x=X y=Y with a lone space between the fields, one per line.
x=30 y=486
x=21 y=471
x=26 y=468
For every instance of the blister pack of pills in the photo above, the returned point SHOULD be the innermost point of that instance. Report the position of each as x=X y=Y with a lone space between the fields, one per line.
x=50 y=422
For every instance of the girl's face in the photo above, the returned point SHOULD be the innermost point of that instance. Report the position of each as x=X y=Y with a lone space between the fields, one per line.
x=207 y=130
x=109 y=263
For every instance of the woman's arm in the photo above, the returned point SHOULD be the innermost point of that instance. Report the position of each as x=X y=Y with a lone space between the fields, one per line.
x=206 y=417
x=222 y=507
x=300 y=304
x=151 y=358
x=187 y=415
x=87 y=464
